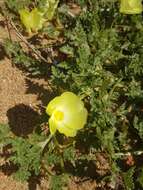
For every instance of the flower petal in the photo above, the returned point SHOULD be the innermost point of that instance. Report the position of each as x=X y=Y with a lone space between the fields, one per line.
x=71 y=101
x=52 y=125
x=74 y=110
x=36 y=19
x=67 y=99
x=64 y=129
x=77 y=119
x=53 y=104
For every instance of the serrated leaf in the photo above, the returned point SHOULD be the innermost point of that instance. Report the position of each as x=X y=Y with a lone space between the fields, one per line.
x=139 y=126
x=48 y=8
x=140 y=178
x=57 y=182
x=128 y=179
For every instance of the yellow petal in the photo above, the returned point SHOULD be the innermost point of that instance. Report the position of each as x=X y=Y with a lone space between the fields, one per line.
x=61 y=127
x=66 y=100
x=31 y=20
x=53 y=104
x=25 y=18
x=131 y=6
x=64 y=129
x=77 y=119
x=70 y=100
x=75 y=112
x=36 y=19
x=52 y=125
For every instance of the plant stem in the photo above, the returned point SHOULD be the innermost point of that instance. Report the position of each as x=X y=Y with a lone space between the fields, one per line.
x=44 y=143
x=61 y=159
x=62 y=164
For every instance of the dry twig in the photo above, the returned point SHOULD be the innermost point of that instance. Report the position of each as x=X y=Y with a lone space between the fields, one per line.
x=21 y=37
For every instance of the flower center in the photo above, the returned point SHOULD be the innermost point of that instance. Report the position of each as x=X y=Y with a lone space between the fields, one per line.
x=59 y=115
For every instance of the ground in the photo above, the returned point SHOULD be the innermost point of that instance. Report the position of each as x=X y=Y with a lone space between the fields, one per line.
x=19 y=101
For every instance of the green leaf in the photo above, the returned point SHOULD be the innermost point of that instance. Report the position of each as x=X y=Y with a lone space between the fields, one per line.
x=48 y=8
x=5 y=134
x=139 y=126
x=16 y=5
x=57 y=182
x=26 y=156
x=140 y=178
x=128 y=179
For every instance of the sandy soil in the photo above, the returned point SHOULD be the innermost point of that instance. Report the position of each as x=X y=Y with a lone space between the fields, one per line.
x=20 y=100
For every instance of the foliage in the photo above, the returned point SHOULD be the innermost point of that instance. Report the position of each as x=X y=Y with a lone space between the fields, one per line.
x=58 y=182
x=140 y=178
x=138 y=126
x=27 y=157
x=128 y=179
x=23 y=60
x=99 y=58
x=15 y=5
x=4 y=135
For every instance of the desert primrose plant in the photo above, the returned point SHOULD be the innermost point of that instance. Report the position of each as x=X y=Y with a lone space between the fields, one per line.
x=103 y=64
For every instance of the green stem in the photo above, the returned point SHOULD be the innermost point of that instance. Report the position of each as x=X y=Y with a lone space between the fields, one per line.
x=62 y=164
x=61 y=159
x=44 y=143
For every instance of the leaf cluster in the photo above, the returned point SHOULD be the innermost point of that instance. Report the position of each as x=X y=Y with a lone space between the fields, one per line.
x=24 y=60
x=105 y=69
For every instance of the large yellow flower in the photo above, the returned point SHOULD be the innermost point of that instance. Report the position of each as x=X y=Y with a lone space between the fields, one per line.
x=68 y=114
x=131 y=6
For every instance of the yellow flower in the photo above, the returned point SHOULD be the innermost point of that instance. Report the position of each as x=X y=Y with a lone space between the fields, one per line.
x=68 y=114
x=32 y=21
x=131 y=6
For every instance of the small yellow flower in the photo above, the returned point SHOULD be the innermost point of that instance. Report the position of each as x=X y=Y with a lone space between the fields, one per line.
x=131 y=6
x=68 y=114
x=32 y=21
